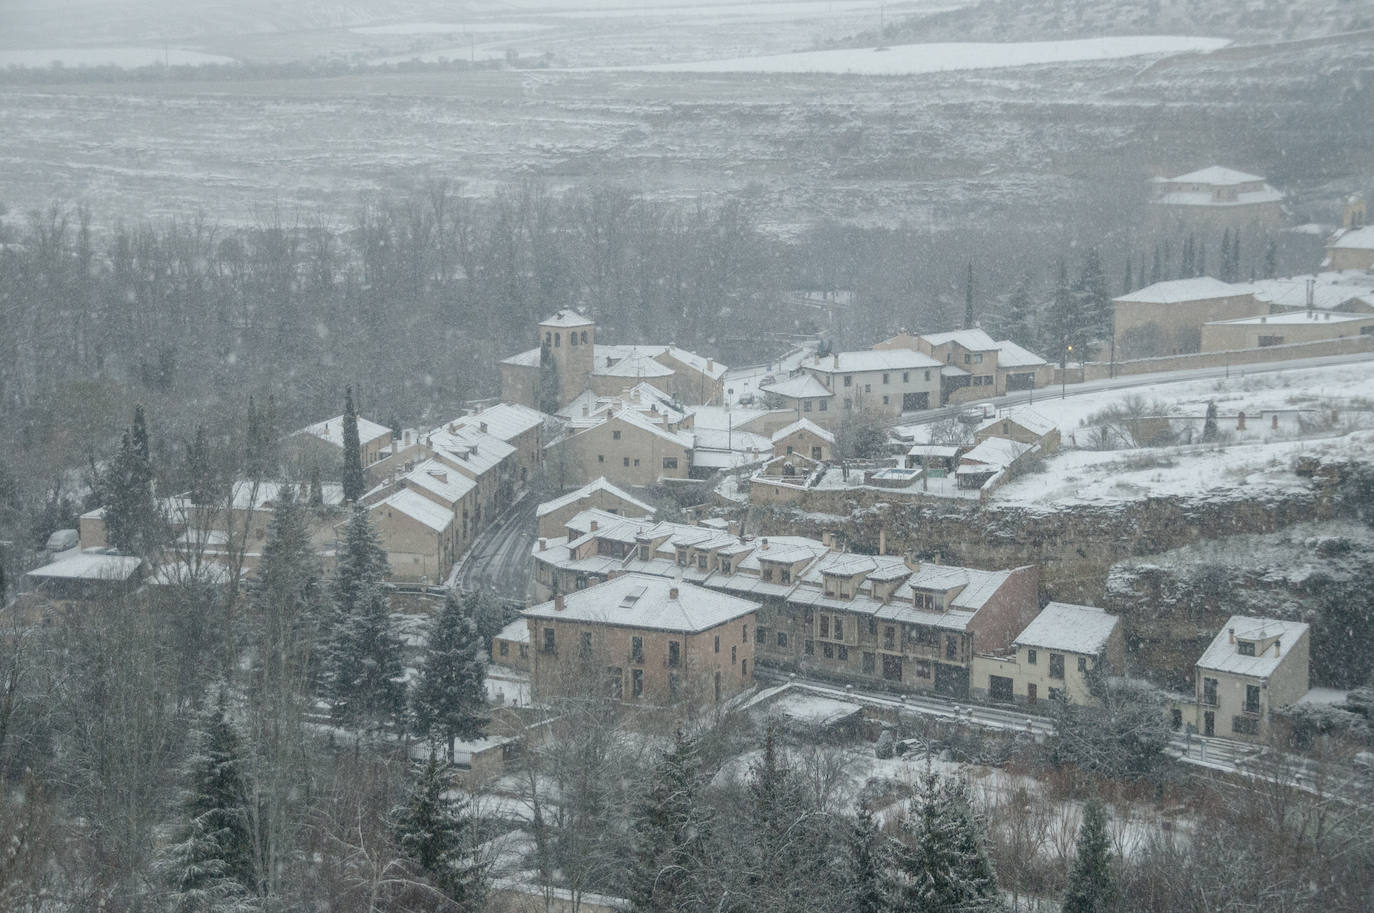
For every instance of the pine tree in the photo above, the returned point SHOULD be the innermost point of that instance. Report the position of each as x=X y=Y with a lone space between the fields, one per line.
x=1092 y=887
x=450 y=691
x=1235 y=256
x=1201 y=269
x=1128 y=282
x=1209 y=423
x=363 y=678
x=133 y=522
x=200 y=470
x=671 y=831
x=1271 y=259
x=1227 y=274
x=1064 y=324
x=789 y=839
x=211 y=864
x=1020 y=320
x=1095 y=306
x=943 y=866
x=968 y=298
x=1188 y=262
x=440 y=835
x=1157 y=269
x=354 y=482
x=316 y=488
x=867 y=865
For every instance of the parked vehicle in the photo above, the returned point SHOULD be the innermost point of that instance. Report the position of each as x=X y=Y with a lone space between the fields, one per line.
x=972 y=415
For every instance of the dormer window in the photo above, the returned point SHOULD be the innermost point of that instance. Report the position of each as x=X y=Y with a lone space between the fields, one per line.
x=1245 y=647
x=644 y=553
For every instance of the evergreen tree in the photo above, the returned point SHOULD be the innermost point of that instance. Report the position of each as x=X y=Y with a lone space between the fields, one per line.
x=1227 y=268
x=1235 y=256
x=789 y=841
x=200 y=470
x=968 y=298
x=1020 y=320
x=549 y=393
x=316 y=488
x=354 y=482
x=942 y=866
x=133 y=522
x=1209 y=423
x=1188 y=262
x=1092 y=887
x=671 y=832
x=450 y=694
x=1064 y=322
x=1271 y=259
x=867 y=866
x=1095 y=305
x=211 y=864
x=363 y=678
x=440 y=835
x=1201 y=269
x=1157 y=268
x=1128 y=282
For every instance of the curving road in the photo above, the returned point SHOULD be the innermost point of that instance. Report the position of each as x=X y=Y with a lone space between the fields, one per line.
x=499 y=560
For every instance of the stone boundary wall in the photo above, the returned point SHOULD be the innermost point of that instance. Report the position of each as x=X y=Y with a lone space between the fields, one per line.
x=1346 y=345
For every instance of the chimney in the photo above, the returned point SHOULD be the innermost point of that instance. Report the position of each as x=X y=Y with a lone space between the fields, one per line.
x=558 y=604
x=710 y=364
x=672 y=592
x=1232 y=633
x=882 y=542
x=594 y=524
x=1276 y=646
x=482 y=426
x=543 y=544
x=835 y=360
x=763 y=546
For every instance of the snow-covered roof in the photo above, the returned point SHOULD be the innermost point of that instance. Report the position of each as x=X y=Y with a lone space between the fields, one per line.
x=526 y=359
x=1200 y=288
x=975 y=339
x=994 y=451
x=803 y=386
x=1029 y=419
x=1071 y=628
x=586 y=491
x=645 y=601
x=1293 y=318
x=444 y=481
x=870 y=360
x=638 y=365
x=249 y=495
x=418 y=508
x=1354 y=239
x=708 y=366
x=468 y=449
x=1331 y=290
x=1010 y=355
x=89 y=566
x=944 y=451
x=803 y=424
x=636 y=418
x=1272 y=638
x=517 y=632
x=503 y=420
x=1217 y=176
x=1266 y=194
x=331 y=430
x=566 y=318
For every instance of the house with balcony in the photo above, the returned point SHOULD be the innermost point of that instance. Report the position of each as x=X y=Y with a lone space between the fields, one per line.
x=1253 y=666
x=643 y=640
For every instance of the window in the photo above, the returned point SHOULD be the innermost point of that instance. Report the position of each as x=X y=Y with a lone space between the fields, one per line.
x=844 y=653
x=809 y=648
x=906 y=377
x=524 y=651
x=505 y=648
x=873 y=627
x=615 y=435
x=884 y=400
x=1176 y=719
x=1082 y=664
x=892 y=668
x=889 y=637
x=848 y=403
x=927 y=375
x=1245 y=647
x=1244 y=725
x=682 y=557
x=785 y=575
x=601 y=457
x=636 y=682
x=782 y=638
x=760 y=635
x=733 y=655
x=952 y=650
x=1056 y=694
x=701 y=561
x=717 y=643
x=839 y=628
x=625 y=460
x=828 y=651
x=868 y=388
x=766 y=574
x=967 y=358
x=806 y=407
x=644 y=553
x=848 y=380
x=674 y=654
x=549 y=643
x=825 y=625
x=586 y=643
x=824 y=405
x=744 y=669
x=744 y=634
x=923 y=668
x=670 y=462
x=884 y=378
x=556 y=337
x=1030 y=657
x=869 y=663
x=978 y=359
x=636 y=649
x=636 y=461
x=1209 y=692
x=615 y=680
x=1252 y=699
x=1056 y=665
x=724 y=566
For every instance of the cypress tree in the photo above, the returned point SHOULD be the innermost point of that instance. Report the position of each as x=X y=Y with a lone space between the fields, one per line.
x=439 y=834
x=1226 y=271
x=1271 y=259
x=1201 y=258
x=1209 y=423
x=450 y=691
x=1127 y=283
x=1157 y=268
x=316 y=488
x=1092 y=887
x=200 y=470
x=1187 y=262
x=211 y=862
x=354 y=482
x=968 y=298
x=132 y=519
x=363 y=677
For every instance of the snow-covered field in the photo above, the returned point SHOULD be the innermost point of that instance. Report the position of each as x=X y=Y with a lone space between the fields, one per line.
x=913 y=59
x=113 y=56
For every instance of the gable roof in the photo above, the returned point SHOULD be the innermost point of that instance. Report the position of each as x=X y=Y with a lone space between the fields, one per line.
x=566 y=318
x=803 y=386
x=646 y=601
x=418 y=508
x=634 y=417
x=1355 y=238
x=870 y=360
x=1010 y=355
x=89 y=566
x=447 y=483
x=1200 y=288
x=526 y=359
x=994 y=451
x=636 y=365
x=803 y=424
x=601 y=484
x=503 y=420
x=1029 y=419
x=975 y=339
x=468 y=449
x=1068 y=627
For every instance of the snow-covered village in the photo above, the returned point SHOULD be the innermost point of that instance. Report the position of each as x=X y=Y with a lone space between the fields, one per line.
x=545 y=456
